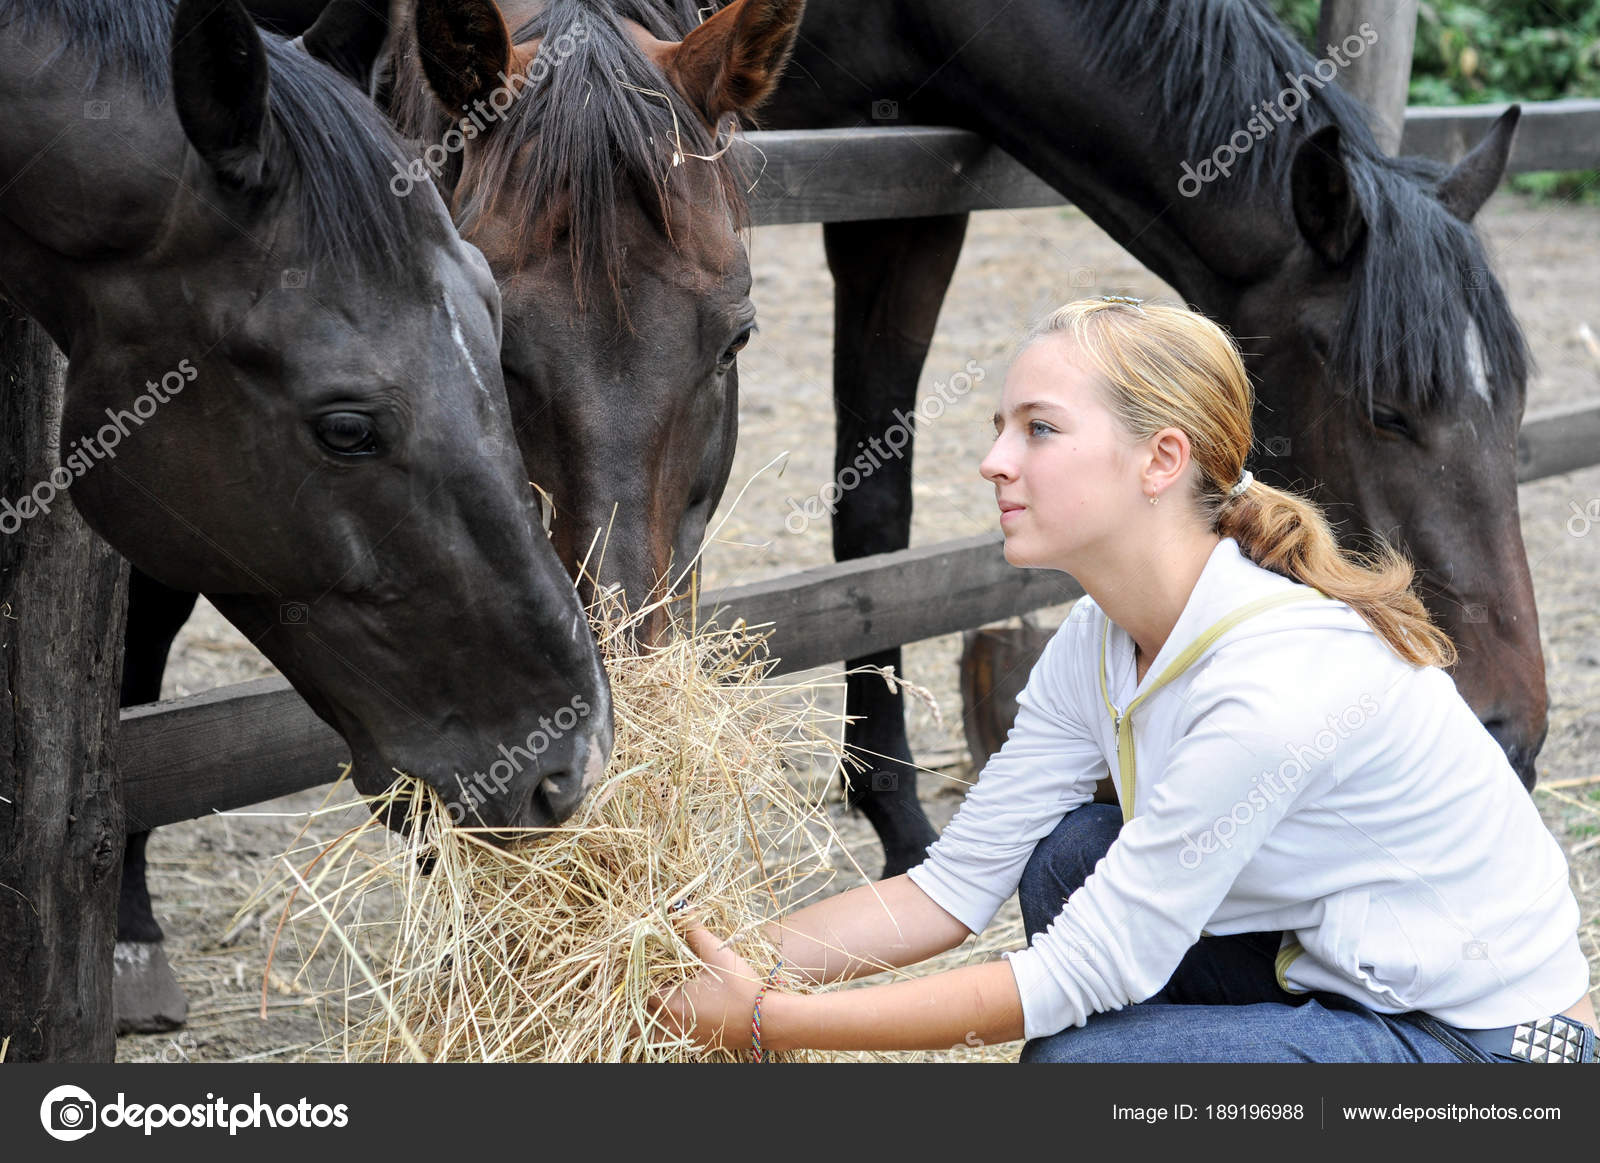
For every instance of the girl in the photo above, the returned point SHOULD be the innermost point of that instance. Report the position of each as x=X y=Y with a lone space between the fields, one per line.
x=1320 y=853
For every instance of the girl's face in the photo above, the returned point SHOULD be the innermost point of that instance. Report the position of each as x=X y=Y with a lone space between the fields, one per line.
x=1062 y=468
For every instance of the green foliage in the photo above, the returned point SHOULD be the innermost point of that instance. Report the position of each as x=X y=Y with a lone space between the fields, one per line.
x=1469 y=53
x=1301 y=17
x=1528 y=50
x=1560 y=185
x=1496 y=50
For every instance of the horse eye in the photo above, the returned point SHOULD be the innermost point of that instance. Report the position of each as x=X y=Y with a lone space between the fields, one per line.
x=735 y=348
x=1387 y=419
x=347 y=433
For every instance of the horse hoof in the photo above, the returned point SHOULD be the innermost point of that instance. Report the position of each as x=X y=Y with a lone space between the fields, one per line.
x=146 y=997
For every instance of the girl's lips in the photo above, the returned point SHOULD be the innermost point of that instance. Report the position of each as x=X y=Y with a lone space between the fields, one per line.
x=1012 y=513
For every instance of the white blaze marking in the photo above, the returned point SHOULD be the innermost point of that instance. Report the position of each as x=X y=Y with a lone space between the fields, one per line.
x=1478 y=378
x=461 y=346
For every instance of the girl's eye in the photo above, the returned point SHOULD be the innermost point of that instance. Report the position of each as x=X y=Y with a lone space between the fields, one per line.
x=1038 y=428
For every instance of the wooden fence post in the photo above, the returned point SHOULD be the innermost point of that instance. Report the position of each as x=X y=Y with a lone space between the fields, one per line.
x=63 y=595
x=1381 y=75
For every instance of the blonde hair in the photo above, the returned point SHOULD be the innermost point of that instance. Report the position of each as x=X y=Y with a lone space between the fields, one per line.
x=1161 y=367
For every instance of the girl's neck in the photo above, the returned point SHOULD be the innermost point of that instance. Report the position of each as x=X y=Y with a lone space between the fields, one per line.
x=1145 y=588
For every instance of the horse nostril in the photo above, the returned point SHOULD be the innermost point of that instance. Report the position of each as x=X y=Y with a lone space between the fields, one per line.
x=561 y=792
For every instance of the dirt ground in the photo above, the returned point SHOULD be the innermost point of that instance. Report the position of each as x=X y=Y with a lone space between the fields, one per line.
x=1016 y=264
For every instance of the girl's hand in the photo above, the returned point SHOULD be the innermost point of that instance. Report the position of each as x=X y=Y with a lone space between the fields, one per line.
x=714 y=1008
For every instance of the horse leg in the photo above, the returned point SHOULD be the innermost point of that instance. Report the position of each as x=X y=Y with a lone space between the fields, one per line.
x=147 y=998
x=890 y=278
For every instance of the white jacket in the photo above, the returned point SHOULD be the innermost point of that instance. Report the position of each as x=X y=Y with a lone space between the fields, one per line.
x=1298 y=777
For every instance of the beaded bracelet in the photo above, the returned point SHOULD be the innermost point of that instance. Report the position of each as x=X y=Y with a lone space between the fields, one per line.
x=757 y=1054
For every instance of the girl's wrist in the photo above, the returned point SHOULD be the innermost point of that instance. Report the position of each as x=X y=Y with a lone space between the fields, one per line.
x=781 y=1018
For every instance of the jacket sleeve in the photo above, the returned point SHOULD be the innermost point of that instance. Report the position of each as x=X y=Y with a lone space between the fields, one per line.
x=1228 y=781
x=1049 y=765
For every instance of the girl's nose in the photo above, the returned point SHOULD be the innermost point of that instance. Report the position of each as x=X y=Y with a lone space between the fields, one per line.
x=997 y=466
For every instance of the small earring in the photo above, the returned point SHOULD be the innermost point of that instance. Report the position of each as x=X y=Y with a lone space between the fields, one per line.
x=1153 y=498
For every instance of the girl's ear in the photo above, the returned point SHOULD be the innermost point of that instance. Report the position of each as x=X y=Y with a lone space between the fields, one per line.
x=1170 y=455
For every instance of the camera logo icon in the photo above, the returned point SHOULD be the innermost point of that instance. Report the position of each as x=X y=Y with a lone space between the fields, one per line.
x=68 y=1113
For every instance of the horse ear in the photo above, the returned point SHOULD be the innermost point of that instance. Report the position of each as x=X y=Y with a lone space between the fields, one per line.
x=349 y=37
x=219 y=85
x=1466 y=188
x=466 y=50
x=1325 y=206
x=732 y=62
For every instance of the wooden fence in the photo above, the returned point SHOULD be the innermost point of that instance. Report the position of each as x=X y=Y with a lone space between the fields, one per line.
x=242 y=744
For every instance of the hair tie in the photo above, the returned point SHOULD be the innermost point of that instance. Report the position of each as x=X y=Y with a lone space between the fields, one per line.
x=1244 y=483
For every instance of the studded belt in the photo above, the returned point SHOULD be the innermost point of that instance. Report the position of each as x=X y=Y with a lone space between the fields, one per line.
x=1552 y=1039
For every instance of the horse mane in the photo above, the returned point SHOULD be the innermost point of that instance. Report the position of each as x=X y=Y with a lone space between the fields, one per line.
x=342 y=152
x=602 y=123
x=1421 y=276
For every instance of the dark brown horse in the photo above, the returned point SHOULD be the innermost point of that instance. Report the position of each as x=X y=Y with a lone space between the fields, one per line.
x=575 y=153
x=587 y=170
x=1390 y=373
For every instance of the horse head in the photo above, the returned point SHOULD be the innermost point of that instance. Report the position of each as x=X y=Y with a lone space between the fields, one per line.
x=1411 y=378
x=284 y=392
x=591 y=176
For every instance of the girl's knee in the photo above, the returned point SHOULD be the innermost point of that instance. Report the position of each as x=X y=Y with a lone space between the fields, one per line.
x=1064 y=859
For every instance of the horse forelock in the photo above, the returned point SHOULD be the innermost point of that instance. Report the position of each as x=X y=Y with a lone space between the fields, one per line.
x=1426 y=324
x=342 y=156
x=596 y=123
x=1421 y=281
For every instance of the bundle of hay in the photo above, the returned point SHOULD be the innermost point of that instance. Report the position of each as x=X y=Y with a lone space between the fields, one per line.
x=441 y=946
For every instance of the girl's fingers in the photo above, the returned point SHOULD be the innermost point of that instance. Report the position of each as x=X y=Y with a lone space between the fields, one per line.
x=717 y=955
x=705 y=946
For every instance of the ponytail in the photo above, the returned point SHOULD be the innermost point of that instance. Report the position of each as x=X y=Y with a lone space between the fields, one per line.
x=1288 y=534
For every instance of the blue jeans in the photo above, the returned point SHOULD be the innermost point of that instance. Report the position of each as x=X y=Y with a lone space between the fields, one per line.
x=1223 y=1003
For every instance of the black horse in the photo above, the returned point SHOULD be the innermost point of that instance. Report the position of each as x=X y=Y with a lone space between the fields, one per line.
x=624 y=281
x=284 y=388
x=1391 y=375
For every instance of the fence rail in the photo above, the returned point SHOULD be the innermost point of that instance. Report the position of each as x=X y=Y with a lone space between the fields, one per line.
x=241 y=744
x=845 y=175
